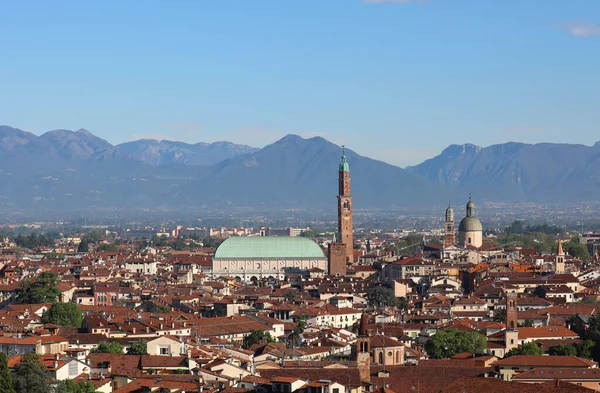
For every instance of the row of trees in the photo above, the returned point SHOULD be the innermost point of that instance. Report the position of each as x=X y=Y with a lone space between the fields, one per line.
x=544 y=243
x=452 y=341
x=33 y=240
x=30 y=376
x=517 y=227
x=584 y=349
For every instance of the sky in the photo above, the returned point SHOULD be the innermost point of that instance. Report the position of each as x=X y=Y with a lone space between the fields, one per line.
x=395 y=80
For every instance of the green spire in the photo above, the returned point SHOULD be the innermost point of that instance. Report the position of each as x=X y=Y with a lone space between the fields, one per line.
x=344 y=167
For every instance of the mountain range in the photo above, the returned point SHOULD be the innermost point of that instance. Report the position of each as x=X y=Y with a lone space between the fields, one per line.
x=519 y=172
x=65 y=170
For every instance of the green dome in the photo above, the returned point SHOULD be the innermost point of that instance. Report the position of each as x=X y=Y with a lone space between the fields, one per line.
x=280 y=247
x=344 y=167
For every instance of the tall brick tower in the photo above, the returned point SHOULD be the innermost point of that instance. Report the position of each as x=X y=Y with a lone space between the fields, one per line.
x=345 y=207
x=449 y=230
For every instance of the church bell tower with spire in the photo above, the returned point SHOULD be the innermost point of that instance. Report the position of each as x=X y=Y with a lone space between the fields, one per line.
x=345 y=207
x=341 y=249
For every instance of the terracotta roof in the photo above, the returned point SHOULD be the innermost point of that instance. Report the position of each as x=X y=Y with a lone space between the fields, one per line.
x=542 y=373
x=546 y=361
x=494 y=385
x=545 y=332
x=427 y=377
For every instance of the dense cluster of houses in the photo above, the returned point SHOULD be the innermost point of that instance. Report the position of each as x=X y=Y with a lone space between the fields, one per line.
x=325 y=334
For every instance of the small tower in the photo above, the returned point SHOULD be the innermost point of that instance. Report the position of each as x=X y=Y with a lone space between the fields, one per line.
x=449 y=230
x=559 y=260
x=362 y=349
x=511 y=334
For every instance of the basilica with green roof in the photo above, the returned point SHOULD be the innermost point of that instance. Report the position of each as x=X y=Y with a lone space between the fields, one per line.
x=253 y=258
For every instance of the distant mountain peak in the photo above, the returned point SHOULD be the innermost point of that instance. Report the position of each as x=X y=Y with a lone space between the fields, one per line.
x=597 y=144
x=455 y=150
x=290 y=138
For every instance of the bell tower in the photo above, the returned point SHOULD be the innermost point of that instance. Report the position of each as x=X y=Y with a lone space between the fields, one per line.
x=361 y=351
x=559 y=260
x=449 y=229
x=345 y=207
x=511 y=334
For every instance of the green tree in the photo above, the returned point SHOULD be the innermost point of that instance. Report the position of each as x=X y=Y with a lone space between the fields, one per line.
x=526 y=349
x=381 y=296
x=574 y=248
x=309 y=234
x=290 y=296
x=30 y=376
x=138 y=348
x=450 y=342
x=515 y=227
x=84 y=245
x=108 y=347
x=107 y=247
x=562 y=350
x=499 y=316
x=299 y=329
x=585 y=349
x=257 y=337
x=70 y=386
x=42 y=290
x=6 y=383
x=526 y=323
x=63 y=314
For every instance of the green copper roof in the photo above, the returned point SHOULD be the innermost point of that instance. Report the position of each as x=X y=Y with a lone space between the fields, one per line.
x=268 y=247
x=344 y=167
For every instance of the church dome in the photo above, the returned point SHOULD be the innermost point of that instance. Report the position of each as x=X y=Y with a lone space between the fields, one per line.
x=470 y=224
x=344 y=167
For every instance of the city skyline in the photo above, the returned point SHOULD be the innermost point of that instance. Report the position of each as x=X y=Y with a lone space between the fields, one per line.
x=400 y=79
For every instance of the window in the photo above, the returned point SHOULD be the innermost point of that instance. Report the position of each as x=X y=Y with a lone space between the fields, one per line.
x=164 y=350
x=380 y=357
x=336 y=390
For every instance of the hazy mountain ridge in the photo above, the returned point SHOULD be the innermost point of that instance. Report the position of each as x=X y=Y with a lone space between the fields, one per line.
x=69 y=170
x=543 y=172
x=64 y=170
x=156 y=153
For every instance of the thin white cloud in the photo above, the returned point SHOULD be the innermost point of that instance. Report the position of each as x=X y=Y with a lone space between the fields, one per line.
x=582 y=28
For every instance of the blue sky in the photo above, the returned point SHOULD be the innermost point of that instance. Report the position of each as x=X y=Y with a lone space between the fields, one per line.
x=394 y=80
